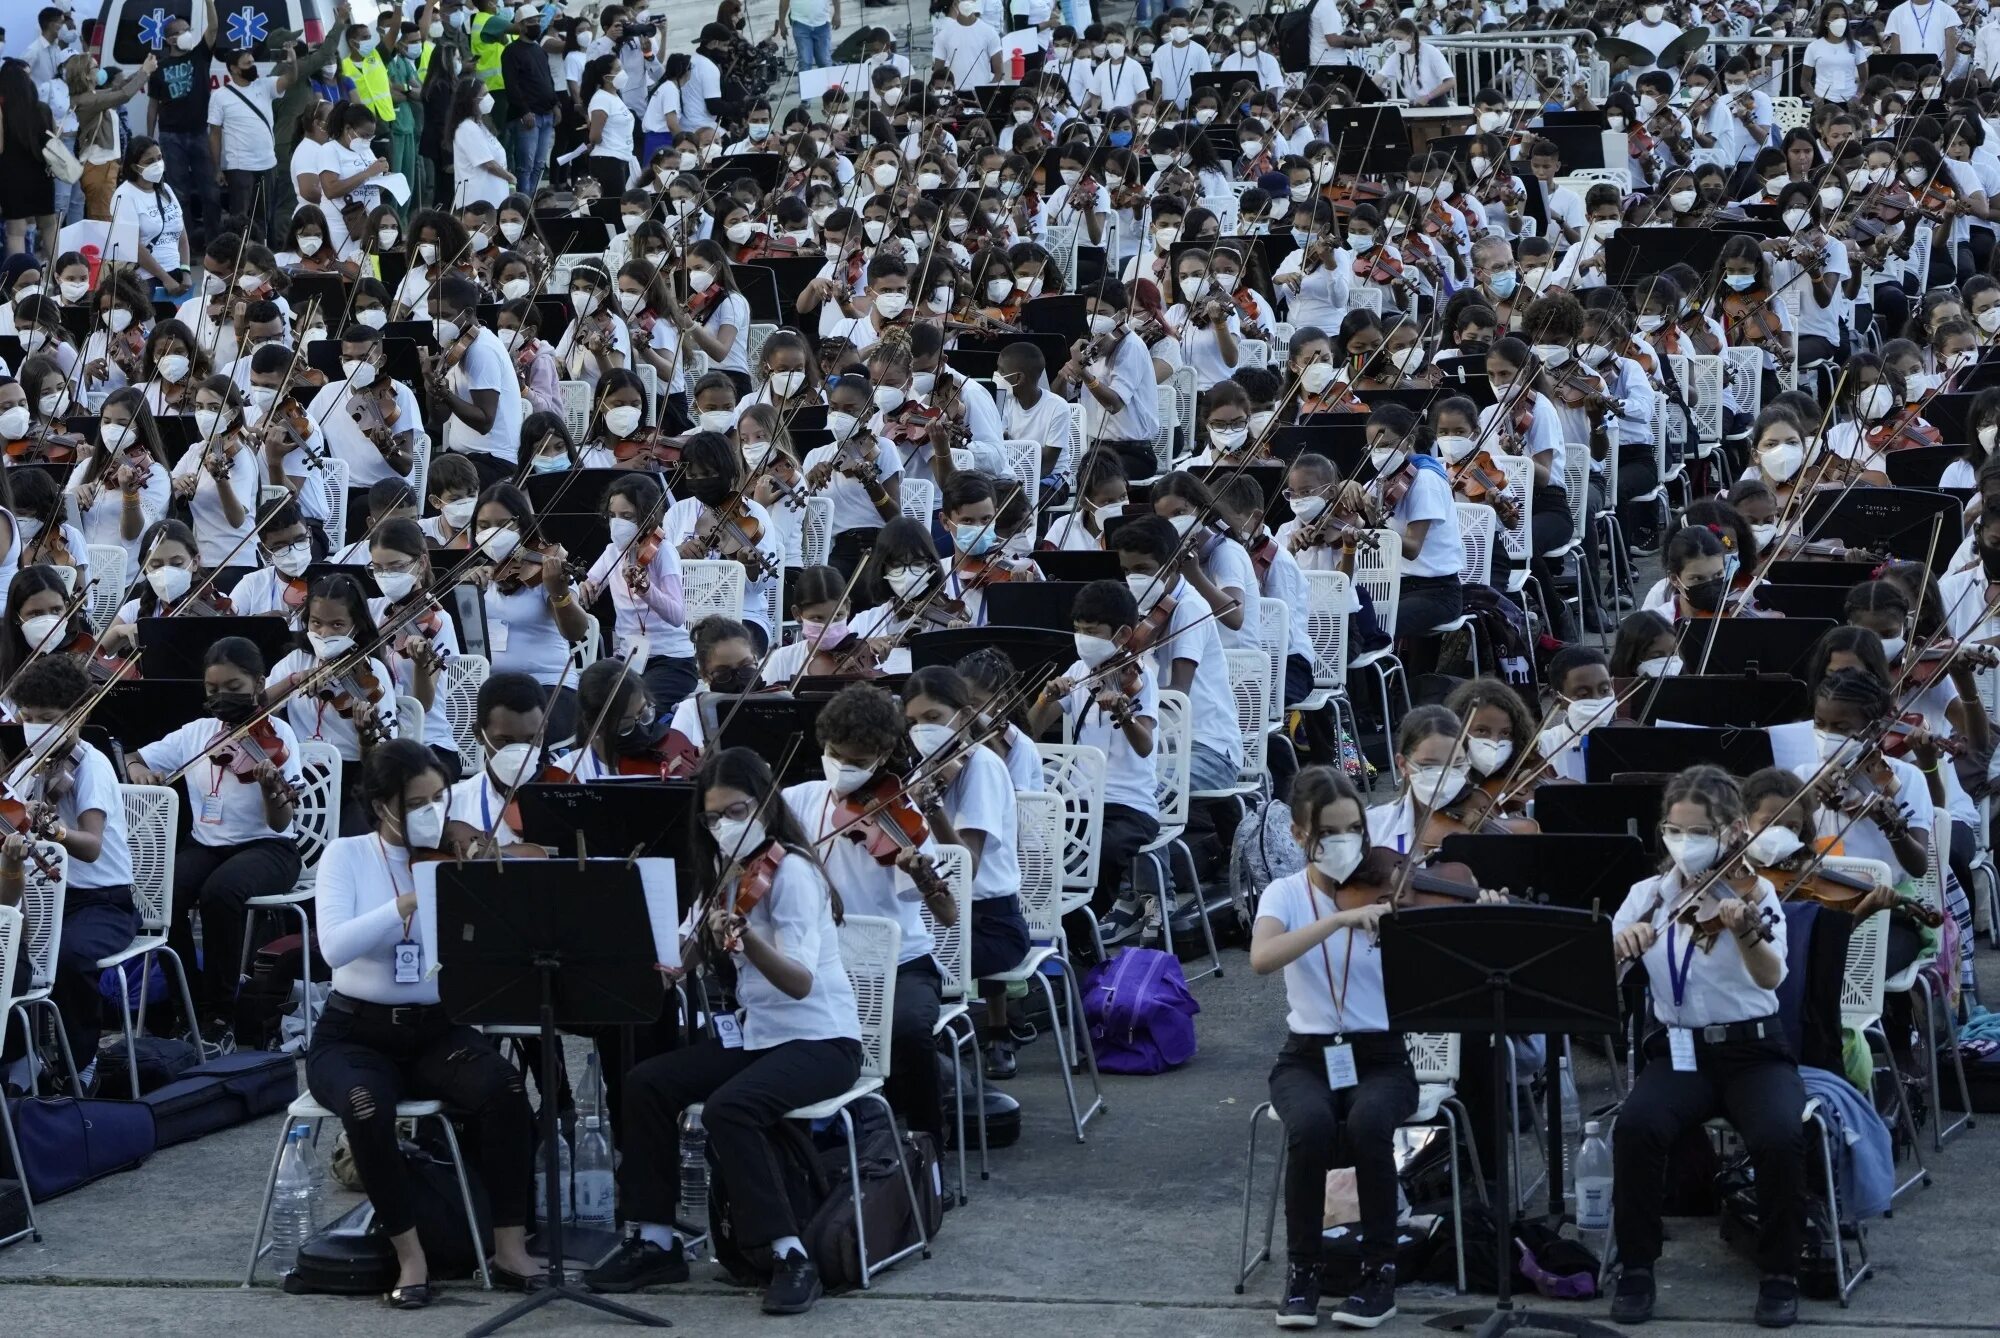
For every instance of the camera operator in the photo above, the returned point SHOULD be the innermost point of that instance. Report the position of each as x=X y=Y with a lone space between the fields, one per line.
x=637 y=45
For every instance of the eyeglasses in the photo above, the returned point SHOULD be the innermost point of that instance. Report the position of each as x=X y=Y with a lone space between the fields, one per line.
x=739 y=811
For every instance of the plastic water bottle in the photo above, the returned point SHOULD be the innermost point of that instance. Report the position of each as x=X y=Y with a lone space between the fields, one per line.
x=589 y=1097
x=1593 y=1188
x=596 y=1186
x=1572 y=1118
x=694 y=1170
x=568 y=1205
x=315 y=1166
x=292 y=1215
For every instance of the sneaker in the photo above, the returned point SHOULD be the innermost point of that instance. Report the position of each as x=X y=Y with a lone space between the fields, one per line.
x=1122 y=922
x=1372 y=1301
x=794 y=1286
x=1300 y=1308
x=638 y=1263
x=1777 y=1302
x=1632 y=1303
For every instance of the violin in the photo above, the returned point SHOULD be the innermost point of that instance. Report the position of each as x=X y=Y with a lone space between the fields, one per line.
x=375 y=414
x=523 y=569
x=1906 y=431
x=46 y=446
x=649 y=450
x=1897 y=735
x=1381 y=873
x=853 y=656
x=782 y=491
x=33 y=824
x=1394 y=487
x=1702 y=913
x=1480 y=479
x=1748 y=315
x=1838 y=890
x=1943 y=656
x=884 y=818
x=754 y=879
x=242 y=755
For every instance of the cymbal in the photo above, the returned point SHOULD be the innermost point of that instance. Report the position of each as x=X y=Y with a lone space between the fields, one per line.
x=1611 y=48
x=1679 y=51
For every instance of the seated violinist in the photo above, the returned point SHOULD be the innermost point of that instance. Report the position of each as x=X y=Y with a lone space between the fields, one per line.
x=859 y=472
x=1581 y=698
x=908 y=582
x=71 y=793
x=827 y=643
x=768 y=923
x=509 y=723
x=41 y=618
x=625 y=739
x=1101 y=492
x=1646 y=647
x=1218 y=569
x=47 y=538
x=618 y=427
x=1323 y=382
x=422 y=640
x=387 y=500
x=278 y=586
x=1226 y=427
x=1711 y=937
x=334 y=686
x=453 y=484
x=642 y=573
x=241 y=842
x=970 y=509
x=718 y=521
x=546 y=447
x=372 y=420
x=169 y=566
x=1240 y=504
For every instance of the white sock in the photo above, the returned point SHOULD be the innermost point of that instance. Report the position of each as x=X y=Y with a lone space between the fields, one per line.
x=19 y=1072
x=785 y=1245
x=662 y=1236
x=88 y=1072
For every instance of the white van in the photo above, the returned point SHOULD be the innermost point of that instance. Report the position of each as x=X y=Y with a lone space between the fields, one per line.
x=130 y=30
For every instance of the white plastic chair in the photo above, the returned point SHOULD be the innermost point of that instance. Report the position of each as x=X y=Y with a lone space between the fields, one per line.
x=759 y=332
x=107 y=594
x=43 y=899
x=13 y=929
x=869 y=947
x=1329 y=599
x=816 y=542
x=576 y=408
x=1274 y=634
x=1434 y=1057
x=1862 y=979
x=1253 y=353
x=1183 y=383
x=919 y=500
x=1074 y=773
x=953 y=954
x=152 y=817
x=1929 y=889
x=461 y=706
x=1041 y=906
x=1173 y=747
x=333 y=478
x=409 y=718
x=316 y=819
x=711 y=587
x=1378 y=569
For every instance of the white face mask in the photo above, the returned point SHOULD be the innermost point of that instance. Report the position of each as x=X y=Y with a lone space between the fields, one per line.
x=117 y=436
x=1146 y=590
x=929 y=740
x=1875 y=402
x=423 y=827
x=498 y=542
x=1835 y=748
x=427 y=252
x=1489 y=755
x=1432 y=786
x=514 y=289
x=512 y=232
x=1772 y=845
x=1316 y=377
x=623 y=421
x=327 y=647
x=360 y=375
x=891 y=305
x=374 y=317
x=41 y=630
x=1455 y=448
x=1782 y=460
x=511 y=763
x=1226 y=441
x=624 y=532
x=207 y=423
x=1587 y=714
x=906 y=581
x=737 y=839
x=174 y=367
x=1094 y=650
x=1336 y=857
x=1661 y=666
x=458 y=514
x=998 y=290
x=396 y=585
x=1693 y=855
x=169 y=583
x=292 y=559
x=841 y=424
x=16 y=422
x=842 y=778
x=786 y=384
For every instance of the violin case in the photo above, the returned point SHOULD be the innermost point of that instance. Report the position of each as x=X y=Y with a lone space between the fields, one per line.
x=224 y=1092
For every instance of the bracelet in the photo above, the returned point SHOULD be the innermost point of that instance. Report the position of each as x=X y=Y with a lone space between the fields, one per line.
x=568 y=597
x=1930 y=770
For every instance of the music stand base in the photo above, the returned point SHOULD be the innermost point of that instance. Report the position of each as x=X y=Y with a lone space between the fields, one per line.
x=566 y=1292
x=1494 y=1321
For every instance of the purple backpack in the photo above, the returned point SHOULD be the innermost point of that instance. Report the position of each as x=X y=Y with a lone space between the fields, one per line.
x=1140 y=1013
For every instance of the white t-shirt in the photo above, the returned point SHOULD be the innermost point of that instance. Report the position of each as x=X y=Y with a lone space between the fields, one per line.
x=1836 y=68
x=866 y=888
x=314 y=719
x=1336 y=987
x=981 y=799
x=1130 y=373
x=214 y=534
x=1118 y=83
x=481 y=805
x=486 y=366
x=358 y=881
x=616 y=141
x=796 y=917
x=437 y=725
x=704 y=82
x=967 y=50
x=522 y=635
x=365 y=465
x=244 y=114
x=472 y=147
x=1443 y=551
x=1191 y=635
x=851 y=508
x=1717 y=985
x=1175 y=66
x=224 y=809
x=1921 y=27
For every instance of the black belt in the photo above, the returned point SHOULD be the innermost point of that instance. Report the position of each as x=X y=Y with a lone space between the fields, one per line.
x=1722 y=1033
x=395 y=1015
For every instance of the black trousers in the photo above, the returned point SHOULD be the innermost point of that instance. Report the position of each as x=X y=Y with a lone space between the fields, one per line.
x=362 y=1063
x=849 y=549
x=743 y=1093
x=1756 y=1084
x=97 y=922
x=997 y=936
x=1352 y=1127
x=609 y=172
x=914 y=1069
x=1126 y=832
x=491 y=468
x=214 y=882
x=668 y=682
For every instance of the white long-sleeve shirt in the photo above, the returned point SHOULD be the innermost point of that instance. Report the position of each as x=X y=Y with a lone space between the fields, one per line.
x=359 y=879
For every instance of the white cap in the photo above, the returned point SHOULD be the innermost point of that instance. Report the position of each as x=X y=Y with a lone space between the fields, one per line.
x=1591 y=1127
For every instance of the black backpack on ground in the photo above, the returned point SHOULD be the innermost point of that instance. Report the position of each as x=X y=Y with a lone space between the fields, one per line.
x=352 y=1256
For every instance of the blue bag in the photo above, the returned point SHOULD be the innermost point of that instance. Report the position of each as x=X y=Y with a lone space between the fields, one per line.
x=1140 y=1013
x=66 y=1143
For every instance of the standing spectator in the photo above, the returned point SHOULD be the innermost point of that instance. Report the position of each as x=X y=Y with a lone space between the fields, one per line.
x=55 y=92
x=292 y=104
x=611 y=123
x=240 y=134
x=812 y=22
x=701 y=95
x=638 y=48
x=490 y=36
x=177 y=116
x=56 y=40
x=100 y=135
x=349 y=166
x=144 y=197
x=478 y=158
x=406 y=89
x=434 y=132
x=968 y=48
x=662 y=122
x=531 y=93
x=27 y=191
x=366 y=65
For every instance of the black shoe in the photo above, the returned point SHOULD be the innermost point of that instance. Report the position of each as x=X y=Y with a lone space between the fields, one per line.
x=1000 y=1062
x=1777 y=1302
x=415 y=1296
x=1632 y=1303
x=794 y=1286
x=1300 y=1308
x=638 y=1263
x=1372 y=1301
x=507 y=1280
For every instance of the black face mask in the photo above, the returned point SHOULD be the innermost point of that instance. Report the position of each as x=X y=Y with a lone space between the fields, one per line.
x=1989 y=558
x=737 y=678
x=232 y=708
x=1475 y=348
x=643 y=737
x=711 y=491
x=1705 y=595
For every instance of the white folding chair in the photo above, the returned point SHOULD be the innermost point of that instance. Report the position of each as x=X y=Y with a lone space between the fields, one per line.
x=44 y=895
x=461 y=707
x=107 y=591
x=1274 y=634
x=759 y=332
x=1253 y=353
x=152 y=819
x=1935 y=1013
x=816 y=542
x=919 y=500
x=1041 y=906
x=1173 y=747
x=953 y=954
x=711 y=587
x=1329 y=600
x=409 y=718
x=869 y=947
x=316 y=820
x=576 y=407
x=1378 y=569
x=1434 y=1056
x=333 y=478
x=13 y=929
x=1183 y=384
x=1074 y=773
x=1862 y=979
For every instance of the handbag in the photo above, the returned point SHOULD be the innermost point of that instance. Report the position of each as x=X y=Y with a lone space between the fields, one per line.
x=63 y=165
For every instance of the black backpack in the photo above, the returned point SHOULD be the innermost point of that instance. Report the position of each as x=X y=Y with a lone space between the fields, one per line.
x=352 y=1256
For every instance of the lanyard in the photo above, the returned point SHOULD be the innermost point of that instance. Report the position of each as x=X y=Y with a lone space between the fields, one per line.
x=1326 y=964
x=1677 y=978
x=389 y=867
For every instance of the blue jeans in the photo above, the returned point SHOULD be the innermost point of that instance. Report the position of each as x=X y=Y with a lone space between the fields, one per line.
x=815 y=45
x=191 y=173
x=1209 y=770
x=532 y=145
x=69 y=194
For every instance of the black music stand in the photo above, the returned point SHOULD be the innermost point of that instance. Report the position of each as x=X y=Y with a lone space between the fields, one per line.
x=757 y=722
x=174 y=647
x=1038 y=654
x=1843 y=576
x=507 y=961
x=1749 y=701
x=1824 y=602
x=1920 y=467
x=1663 y=749
x=1630 y=807
x=1753 y=645
x=1079 y=564
x=1494 y=970
x=622 y=818
x=1032 y=604
x=140 y=711
x=1588 y=872
x=1902 y=522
